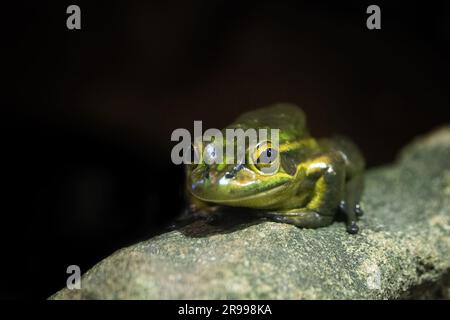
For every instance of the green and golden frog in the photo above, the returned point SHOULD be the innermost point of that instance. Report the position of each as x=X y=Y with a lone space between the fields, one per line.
x=315 y=179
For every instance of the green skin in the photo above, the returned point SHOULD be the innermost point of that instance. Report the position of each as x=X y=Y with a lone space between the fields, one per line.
x=316 y=178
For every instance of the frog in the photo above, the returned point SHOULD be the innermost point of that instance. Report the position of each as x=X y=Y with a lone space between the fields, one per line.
x=315 y=179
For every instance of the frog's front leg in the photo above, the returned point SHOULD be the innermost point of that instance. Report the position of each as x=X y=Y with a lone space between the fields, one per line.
x=327 y=175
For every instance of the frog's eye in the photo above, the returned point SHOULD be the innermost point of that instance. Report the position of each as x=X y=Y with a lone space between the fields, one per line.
x=265 y=159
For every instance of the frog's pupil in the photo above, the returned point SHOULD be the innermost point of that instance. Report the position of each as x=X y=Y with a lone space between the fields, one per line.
x=266 y=157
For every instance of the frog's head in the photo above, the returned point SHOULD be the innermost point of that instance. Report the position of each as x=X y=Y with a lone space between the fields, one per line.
x=259 y=180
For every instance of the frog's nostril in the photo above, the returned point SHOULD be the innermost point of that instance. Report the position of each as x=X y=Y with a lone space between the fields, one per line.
x=234 y=171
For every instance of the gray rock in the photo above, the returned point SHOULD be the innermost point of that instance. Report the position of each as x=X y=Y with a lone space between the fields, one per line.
x=402 y=250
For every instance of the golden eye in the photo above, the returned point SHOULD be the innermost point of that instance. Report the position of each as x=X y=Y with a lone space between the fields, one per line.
x=265 y=159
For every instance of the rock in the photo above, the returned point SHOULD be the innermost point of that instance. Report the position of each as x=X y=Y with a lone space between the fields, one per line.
x=402 y=250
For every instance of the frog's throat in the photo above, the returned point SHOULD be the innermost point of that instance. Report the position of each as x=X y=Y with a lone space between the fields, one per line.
x=237 y=201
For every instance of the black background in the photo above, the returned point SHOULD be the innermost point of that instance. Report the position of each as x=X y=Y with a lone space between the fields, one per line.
x=87 y=115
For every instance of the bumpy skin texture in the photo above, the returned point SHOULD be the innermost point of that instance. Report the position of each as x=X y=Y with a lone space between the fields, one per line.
x=316 y=177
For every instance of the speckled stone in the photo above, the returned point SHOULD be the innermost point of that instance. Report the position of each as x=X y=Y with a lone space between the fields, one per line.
x=402 y=250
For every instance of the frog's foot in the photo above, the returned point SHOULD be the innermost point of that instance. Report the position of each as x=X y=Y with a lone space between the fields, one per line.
x=351 y=212
x=302 y=218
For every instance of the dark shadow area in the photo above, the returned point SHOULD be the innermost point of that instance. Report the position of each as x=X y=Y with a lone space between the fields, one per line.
x=429 y=290
x=225 y=220
x=230 y=219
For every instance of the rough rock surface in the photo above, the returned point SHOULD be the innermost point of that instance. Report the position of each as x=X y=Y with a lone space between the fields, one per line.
x=402 y=250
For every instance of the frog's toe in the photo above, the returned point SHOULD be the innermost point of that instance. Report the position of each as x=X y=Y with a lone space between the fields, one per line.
x=352 y=228
x=280 y=219
x=345 y=208
x=358 y=210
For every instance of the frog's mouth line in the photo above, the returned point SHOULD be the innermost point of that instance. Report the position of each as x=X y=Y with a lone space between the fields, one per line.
x=230 y=201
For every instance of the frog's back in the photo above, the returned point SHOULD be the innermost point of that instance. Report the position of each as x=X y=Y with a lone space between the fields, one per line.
x=288 y=118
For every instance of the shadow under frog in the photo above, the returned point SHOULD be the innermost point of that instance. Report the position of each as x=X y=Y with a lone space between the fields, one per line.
x=225 y=220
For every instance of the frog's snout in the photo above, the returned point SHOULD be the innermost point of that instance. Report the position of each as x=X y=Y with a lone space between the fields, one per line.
x=211 y=181
x=211 y=174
